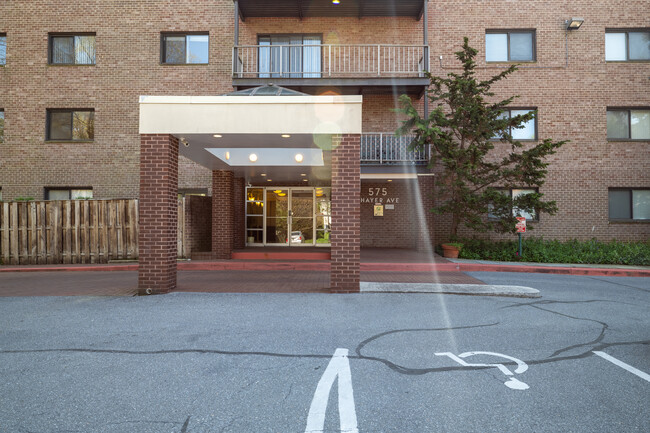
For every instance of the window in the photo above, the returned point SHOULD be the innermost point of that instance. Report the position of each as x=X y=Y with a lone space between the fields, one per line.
x=629 y=204
x=56 y=193
x=510 y=46
x=66 y=49
x=3 y=49
x=514 y=193
x=627 y=45
x=181 y=48
x=527 y=130
x=71 y=125
x=2 y=126
x=628 y=124
x=293 y=56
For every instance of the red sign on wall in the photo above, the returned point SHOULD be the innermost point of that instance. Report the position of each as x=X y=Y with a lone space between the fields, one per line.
x=521 y=225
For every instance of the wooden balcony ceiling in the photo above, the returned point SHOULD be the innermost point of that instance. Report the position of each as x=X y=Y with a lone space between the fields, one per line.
x=325 y=8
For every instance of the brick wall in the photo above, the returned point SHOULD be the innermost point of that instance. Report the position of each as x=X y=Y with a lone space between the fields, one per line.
x=222 y=214
x=127 y=66
x=158 y=212
x=198 y=224
x=344 y=272
x=571 y=100
x=400 y=226
x=239 y=212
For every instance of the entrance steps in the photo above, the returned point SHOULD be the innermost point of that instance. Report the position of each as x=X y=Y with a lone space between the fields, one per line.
x=278 y=254
x=289 y=254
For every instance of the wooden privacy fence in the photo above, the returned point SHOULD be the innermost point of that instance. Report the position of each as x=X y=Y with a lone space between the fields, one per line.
x=68 y=231
x=73 y=231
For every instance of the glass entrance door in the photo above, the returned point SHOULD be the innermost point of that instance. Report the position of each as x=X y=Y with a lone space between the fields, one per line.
x=301 y=217
x=277 y=216
x=287 y=216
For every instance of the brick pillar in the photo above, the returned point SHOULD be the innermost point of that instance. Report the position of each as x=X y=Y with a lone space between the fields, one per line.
x=426 y=186
x=158 y=210
x=222 y=214
x=239 y=214
x=346 y=213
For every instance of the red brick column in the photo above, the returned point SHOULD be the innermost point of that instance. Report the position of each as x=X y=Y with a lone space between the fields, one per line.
x=222 y=214
x=346 y=213
x=426 y=188
x=239 y=214
x=158 y=210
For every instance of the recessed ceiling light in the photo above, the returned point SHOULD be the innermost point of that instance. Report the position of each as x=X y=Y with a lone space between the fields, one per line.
x=227 y=155
x=336 y=1
x=252 y=157
x=299 y=157
x=268 y=180
x=305 y=180
x=263 y=174
x=303 y=174
x=217 y=135
x=286 y=135
x=389 y=180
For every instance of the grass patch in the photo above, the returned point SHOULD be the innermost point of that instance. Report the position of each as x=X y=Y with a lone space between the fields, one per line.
x=552 y=251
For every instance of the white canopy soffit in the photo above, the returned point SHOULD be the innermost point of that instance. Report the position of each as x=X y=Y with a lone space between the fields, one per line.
x=286 y=134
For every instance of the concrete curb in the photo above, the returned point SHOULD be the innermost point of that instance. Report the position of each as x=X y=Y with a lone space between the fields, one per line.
x=451 y=289
x=365 y=267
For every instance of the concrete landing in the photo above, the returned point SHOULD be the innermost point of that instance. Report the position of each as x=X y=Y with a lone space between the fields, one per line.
x=451 y=289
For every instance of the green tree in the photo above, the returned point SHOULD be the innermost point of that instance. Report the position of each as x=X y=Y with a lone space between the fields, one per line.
x=462 y=131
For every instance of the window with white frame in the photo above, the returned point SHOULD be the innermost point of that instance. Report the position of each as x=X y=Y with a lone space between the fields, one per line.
x=56 y=193
x=513 y=194
x=627 y=45
x=185 y=48
x=510 y=46
x=629 y=204
x=72 y=49
x=628 y=124
x=527 y=131
x=291 y=55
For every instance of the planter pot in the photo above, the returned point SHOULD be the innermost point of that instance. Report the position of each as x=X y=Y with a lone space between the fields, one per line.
x=450 y=251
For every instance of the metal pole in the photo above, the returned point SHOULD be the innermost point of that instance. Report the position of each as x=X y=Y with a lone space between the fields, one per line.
x=519 y=245
x=234 y=51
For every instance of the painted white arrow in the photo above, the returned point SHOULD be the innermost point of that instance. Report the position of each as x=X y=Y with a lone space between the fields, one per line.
x=339 y=366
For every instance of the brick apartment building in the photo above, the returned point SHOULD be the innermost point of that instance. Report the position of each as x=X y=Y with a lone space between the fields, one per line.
x=84 y=85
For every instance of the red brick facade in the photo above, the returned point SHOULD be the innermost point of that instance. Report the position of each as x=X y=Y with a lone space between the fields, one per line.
x=158 y=213
x=346 y=218
x=198 y=225
x=571 y=93
x=222 y=214
x=239 y=214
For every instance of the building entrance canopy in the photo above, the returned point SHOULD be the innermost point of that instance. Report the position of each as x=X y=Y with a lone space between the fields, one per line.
x=259 y=135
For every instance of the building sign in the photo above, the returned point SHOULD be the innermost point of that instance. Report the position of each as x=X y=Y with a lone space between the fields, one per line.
x=378 y=196
x=521 y=225
x=379 y=210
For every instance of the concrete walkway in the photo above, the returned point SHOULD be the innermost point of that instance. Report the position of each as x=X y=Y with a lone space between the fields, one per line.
x=381 y=270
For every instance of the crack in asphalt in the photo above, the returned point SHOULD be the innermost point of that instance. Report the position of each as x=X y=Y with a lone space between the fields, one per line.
x=619 y=284
x=187 y=423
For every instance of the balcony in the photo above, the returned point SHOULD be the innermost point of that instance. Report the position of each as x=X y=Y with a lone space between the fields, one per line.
x=387 y=149
x=351 y=69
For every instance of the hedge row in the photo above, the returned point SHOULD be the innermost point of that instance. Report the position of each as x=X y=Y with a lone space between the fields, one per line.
x=551 y=251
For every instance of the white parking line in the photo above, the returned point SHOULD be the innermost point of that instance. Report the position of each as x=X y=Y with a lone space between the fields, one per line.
x=339 y=366
x=623 y=365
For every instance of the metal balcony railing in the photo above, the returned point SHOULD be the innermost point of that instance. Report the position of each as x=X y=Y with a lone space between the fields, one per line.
x=386 y=148
x=329 y=61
